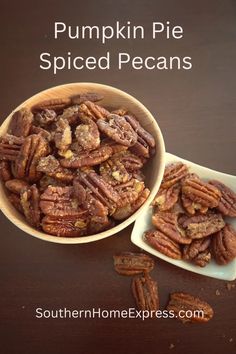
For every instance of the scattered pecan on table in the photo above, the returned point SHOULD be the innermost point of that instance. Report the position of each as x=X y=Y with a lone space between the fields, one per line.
x=74 y=167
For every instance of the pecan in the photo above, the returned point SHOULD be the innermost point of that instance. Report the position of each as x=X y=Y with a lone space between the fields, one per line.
x=183 y=305
x=141 y=132
x=166 y=223
x=51 y=167
x=98 y=224
x=56 y=104
x=191 y=207
x=85 y=197
x=92 y=111
x=65 y=226
x=145 y=292
x=224 y=245
x=16 y=185
x=129 y=192
x=71 y=114
x=167 y=198
x=87 y=158
x=163 y=244
x=99 y=188
x=10 y=146
x=46 y=181
x=200 y=226
x=118 y=129
x=201 y=192
x=87 y=96
x=227 y=204
x=116 y=148
x=30 y=203
x=45 y=117
x=128 y=263
x=5 y=171
x=120 y=111
x=14 y=199
x=88 y=135
x=62 y=135
x=59 y=201
x=21 y=122
x=198 y=251
x=130 y=161
x=33 y=148
x=173 y=174
x=114 y=172
x=124 y=212
x=40 y=131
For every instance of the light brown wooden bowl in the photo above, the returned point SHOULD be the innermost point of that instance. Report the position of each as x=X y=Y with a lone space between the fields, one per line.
x=113 y=98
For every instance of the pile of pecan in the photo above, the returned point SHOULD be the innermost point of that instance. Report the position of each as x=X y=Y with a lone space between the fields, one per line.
x=188 y=216
x=73 y=167
x=145 y=290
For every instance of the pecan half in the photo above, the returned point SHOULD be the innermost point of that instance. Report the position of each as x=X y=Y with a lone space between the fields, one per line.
x=145 y=292
x=129 y=263
x=10 y=146
x=114 y=172
x=198 y=251
x=88 y=135
x=201 y=192
x=124 y=212
x=130 y=161
x=227 y=203
x=14 y=199
x=21 y=122
x=59 y=201
x=203 y=225
x=65 y=226
x=45 y=117
x=163 y=244
x=5 y=171
x=92 y=111
x=141 y=131
x=33 y=148
x=99 y=188
x=56 y=104
x=173 y=174
x=51 y=167
x=192 y=207
x=166 y=223
x=30 y=203
x=87 y=96
x=16 y=185
x=88 y=158
x=116 y=148
x=62 y=135
x=224 y=245
x=186 y=306
x=71 y=114
x=98 y=224
x=118 y=129
x=167 y=198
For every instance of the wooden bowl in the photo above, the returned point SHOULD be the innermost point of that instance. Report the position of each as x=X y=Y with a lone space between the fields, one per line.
x=113 y=98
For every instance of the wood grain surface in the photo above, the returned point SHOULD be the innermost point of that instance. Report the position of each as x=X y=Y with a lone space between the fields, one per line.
x=196 y=111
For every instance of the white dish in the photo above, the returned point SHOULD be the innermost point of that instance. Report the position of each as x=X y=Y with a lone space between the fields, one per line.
x=143 y=223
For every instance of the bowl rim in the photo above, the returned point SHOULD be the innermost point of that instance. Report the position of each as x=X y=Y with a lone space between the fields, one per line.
x=28 y=229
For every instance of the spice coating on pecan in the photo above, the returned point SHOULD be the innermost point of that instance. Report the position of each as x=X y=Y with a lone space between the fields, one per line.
x=173 y=174
x=198 y=251
x=118 y=129
x=5 y=171
x=200 y=226
x=180 y=303
x=224 y=245
x=167 y=198
x=30 y=204
x=10 y=146
x=129 y=263
x=227 y=203
x=145 y=293
x=88 y=135
x=92 y=111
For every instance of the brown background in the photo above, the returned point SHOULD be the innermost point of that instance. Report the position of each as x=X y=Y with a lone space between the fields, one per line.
x=196 y=112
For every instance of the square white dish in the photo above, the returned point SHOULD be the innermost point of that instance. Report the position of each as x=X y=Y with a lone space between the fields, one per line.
x=143 y=223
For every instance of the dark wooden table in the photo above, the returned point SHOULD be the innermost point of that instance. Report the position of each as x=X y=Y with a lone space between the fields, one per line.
x=196 y=111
